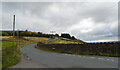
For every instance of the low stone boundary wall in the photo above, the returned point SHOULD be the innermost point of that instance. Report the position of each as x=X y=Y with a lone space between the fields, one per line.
x=93 y=48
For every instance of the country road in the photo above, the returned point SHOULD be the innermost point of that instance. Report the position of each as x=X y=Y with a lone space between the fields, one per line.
x=35 y=58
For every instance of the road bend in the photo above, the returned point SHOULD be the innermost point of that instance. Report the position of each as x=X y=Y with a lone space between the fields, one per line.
x=35 y=58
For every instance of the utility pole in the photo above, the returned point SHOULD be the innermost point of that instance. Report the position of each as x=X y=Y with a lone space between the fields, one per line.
x=52 y=33
x=13 y=29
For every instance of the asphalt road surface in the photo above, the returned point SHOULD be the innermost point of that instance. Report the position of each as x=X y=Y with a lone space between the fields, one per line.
x=35 y=58
x=51 y=40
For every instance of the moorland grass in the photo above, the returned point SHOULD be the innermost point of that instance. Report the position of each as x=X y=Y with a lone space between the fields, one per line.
x=65 y=41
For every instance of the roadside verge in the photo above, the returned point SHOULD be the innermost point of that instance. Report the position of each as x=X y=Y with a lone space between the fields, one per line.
x=12 y=55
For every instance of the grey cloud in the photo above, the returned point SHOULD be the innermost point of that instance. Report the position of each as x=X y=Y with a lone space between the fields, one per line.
x=61 y=17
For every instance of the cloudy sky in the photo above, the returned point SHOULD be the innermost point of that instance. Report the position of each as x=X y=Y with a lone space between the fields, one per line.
x=88 y=21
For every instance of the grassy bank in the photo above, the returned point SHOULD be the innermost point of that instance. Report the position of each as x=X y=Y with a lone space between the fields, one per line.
x=64 y=41
x=11 y=55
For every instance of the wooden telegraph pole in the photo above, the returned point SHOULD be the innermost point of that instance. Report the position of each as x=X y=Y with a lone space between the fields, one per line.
x=13 y=29
x=52 y=33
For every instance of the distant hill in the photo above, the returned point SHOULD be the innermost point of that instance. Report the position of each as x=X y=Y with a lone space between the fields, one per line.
x=26 y=33
x=107 y=42
x=115 y=41
x=37 y=34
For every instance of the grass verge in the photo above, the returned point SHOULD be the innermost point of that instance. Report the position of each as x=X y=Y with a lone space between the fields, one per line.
x=11 y=55
x=6 y=44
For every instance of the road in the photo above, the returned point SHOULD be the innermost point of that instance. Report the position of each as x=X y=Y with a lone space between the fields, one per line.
x=51 y=40
x=35 y=58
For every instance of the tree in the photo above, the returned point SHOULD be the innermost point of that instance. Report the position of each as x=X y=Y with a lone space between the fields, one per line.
x=56 y=35
x=73 y=38
x=10 y=33
x=26 y=30
x=4 y=33
x=39 y=32
x=24 y=33
x=66 y=36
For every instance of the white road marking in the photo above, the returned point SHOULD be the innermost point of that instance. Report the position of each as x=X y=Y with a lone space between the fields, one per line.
x=100 y=58
x=73 y=55
x=84 y=56
x=112 y=60
x=79 y=56
x=65 y=54
x=69 y=54
x=107 y=59
x=92 y=57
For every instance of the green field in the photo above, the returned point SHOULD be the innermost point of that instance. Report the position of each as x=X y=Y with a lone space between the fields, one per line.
x=6 y=44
